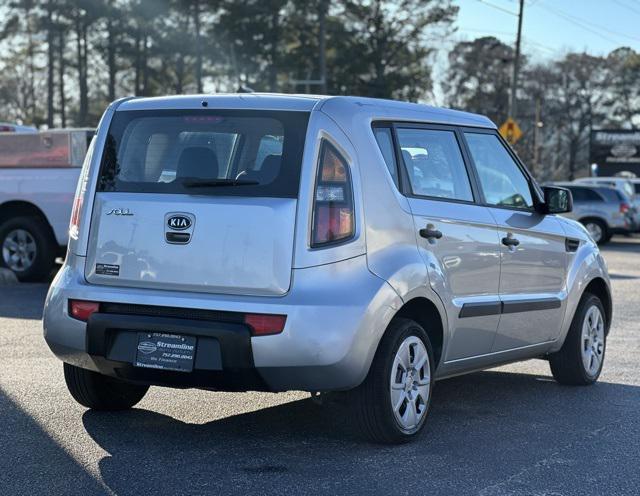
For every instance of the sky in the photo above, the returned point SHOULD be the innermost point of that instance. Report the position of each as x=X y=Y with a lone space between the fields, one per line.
x=550 y=29
x=553 y=27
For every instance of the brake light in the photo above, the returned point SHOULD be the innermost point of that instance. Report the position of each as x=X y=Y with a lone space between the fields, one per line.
x=7 y=129
x=624 y=208
x=74 y=225
x=81 y=189
x=82 y=310
x=265 y=324
x=333 y=200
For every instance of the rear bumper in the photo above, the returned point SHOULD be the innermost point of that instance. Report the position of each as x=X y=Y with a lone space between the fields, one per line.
x=336 y=315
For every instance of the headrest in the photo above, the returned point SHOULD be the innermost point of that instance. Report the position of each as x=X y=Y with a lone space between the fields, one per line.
x=198 y=161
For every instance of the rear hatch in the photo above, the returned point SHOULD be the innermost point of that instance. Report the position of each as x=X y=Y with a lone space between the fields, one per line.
x=198 y=200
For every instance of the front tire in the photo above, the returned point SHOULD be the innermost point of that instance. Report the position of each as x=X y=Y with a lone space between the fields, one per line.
x=100 y=392
x=392 y=404
x=579 y=362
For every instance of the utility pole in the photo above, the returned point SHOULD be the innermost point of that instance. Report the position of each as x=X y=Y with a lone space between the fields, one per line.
x=322 y=35
x=537 y=124
x=516 y=65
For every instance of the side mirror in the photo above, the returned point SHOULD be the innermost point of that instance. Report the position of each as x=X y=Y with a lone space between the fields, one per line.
x=557 y=200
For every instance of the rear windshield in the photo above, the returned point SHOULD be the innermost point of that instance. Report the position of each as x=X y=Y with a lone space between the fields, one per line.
x=213 y=152
x=612 y=195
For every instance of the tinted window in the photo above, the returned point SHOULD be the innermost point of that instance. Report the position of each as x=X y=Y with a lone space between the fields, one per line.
x=385 y=142
x=585 y=195
x=434 y=164
x=637 y=188
x=613 y=195
x=159 y=151
x=502 y=181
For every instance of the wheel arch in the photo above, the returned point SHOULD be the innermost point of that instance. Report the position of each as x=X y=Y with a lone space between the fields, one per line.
x=426 y=313
x=18 y=208
x=598 y=287
x=587 y=218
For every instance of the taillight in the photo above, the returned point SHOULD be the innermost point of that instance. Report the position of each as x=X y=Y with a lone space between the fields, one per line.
x=74 y=225
x=265 y=324
x=333 y=200
x=81 y=188
x=624 y=208
x=82 y=310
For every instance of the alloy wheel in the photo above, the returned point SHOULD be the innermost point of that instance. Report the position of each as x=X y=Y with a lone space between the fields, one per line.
x=595 y=231
x=19 y=250
x=592 y=342
x=410 y=383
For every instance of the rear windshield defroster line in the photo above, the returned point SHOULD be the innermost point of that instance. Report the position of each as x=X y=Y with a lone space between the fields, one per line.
x=166 y=151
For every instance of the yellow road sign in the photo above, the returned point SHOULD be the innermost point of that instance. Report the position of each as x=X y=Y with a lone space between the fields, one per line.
x=510 y=131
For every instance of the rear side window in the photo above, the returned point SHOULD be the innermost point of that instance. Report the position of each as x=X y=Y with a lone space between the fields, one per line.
x=585 y=195
x=385 y=142
x=613 y=195
x=434 y=164
x=213 y=152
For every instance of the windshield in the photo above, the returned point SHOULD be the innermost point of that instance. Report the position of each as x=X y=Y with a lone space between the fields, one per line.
x=251 y=153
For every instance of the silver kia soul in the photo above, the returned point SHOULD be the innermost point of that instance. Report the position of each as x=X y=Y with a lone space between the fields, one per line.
x=278 y=242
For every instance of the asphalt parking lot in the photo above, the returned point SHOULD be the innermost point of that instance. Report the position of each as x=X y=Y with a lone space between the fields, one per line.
x=511 y=430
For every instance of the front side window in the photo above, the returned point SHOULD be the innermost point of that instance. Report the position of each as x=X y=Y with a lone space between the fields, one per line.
x=213 y=152
x=434 y=164
x=502 y=181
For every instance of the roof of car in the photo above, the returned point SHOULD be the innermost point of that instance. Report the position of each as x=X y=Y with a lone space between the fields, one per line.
x=583 y=184
x=329 y=104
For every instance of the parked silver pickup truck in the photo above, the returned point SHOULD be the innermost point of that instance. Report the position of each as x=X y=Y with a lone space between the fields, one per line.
x=38 y=176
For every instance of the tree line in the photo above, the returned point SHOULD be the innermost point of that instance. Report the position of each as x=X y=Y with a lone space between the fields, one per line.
x=62 y=61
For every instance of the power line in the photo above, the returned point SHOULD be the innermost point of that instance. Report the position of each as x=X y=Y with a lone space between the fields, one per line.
x=567 y=18
x=525 y=40
x=594 y=25
x=632 y=9
x=497 y=7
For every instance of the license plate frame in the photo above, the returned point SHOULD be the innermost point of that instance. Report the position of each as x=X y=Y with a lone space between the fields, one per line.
x=166 y=351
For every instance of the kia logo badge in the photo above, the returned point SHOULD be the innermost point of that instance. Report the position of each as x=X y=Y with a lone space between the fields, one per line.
x=147 y=347
x=179 y=222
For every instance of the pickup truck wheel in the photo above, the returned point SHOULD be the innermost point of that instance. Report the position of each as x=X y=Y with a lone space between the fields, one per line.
x=100 y=392
x=27 y=248
x=391 y=405
x=580 y=360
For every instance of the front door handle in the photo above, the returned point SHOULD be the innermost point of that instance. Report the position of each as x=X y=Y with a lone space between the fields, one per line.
x=430 y=232
x=509 y=240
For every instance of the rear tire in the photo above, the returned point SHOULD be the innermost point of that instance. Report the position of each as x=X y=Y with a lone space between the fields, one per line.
x=100 y=392
x=598 y=230
x=27 y=248
x=579 y=362
x=402 y=375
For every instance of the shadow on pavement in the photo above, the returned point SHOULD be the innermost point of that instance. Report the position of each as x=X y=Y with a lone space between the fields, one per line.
x=23 y=301
x=621 y=244
x=488 y=433
x=31 y=462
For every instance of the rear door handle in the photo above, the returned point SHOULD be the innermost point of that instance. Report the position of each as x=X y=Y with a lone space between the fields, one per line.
x=509 y=240
x=430 y=232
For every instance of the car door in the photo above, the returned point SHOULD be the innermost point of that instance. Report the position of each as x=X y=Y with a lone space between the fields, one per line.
x=456 y=236
x=532 y=246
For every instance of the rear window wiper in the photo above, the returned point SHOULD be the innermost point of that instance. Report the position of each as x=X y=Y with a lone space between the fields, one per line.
x=214 y=183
